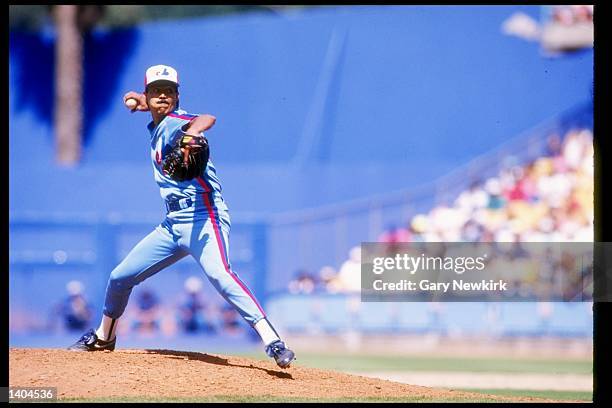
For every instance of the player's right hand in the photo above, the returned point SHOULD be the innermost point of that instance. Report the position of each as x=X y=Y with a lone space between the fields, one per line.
x=140 y=98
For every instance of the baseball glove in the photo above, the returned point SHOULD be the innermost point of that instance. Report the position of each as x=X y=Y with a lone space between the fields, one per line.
x=188 y=158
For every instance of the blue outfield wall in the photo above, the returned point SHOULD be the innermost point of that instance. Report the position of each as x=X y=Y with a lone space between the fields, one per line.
x=329 y=104
x=325 y=313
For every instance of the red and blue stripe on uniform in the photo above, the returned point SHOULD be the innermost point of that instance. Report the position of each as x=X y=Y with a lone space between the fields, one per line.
x=221 y=243
x=186 y=116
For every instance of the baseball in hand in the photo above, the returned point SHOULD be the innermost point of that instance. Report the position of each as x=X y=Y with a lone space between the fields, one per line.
x=131 y=103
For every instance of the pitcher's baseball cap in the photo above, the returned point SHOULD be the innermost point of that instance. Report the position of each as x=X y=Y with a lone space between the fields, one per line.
x=161 y=73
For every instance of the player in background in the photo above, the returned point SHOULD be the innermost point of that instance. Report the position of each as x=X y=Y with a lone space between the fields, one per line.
x=197 y=223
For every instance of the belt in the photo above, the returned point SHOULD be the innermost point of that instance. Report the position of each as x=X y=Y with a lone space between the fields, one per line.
x=176 y=205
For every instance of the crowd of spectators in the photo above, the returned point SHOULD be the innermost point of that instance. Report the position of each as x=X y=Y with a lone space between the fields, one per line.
x=74 y=310
x=572 y=14
x=562 y=28
x=568 y=28
x=549 y=199
x=148 y=315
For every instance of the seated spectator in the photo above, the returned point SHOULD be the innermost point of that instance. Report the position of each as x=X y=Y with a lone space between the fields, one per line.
x=471 y=231
x=494 y=190
x=193 y=309
x=327 y=279
x=304 y=282
x=577 y=145
x=554 y=188
x=349 y=277
x=517 y=250
x=231 y=322
x=553 y=145
x=419 y=227
x=472 y=199
x=524 y=188
x=146 y=319
x=395 y=233
x=75 y=310
x=583 y=13
x=393 y=237
x=446 y=222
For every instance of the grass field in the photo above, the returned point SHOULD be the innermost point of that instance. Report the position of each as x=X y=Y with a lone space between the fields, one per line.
x=549 y=394
x=365 y=363
x=221 y=398
x=404 y=363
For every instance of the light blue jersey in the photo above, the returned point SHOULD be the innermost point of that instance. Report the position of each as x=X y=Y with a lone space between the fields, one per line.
x=200 y=229
x=163 y=137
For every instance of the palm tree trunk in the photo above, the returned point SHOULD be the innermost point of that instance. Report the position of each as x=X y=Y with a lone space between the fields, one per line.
x=68 y=85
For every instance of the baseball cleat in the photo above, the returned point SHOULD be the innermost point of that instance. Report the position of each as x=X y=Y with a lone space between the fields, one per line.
x=281 y=354
x=90 y=342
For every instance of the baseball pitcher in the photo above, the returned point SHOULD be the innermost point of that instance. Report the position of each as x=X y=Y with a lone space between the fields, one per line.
x=197 y=222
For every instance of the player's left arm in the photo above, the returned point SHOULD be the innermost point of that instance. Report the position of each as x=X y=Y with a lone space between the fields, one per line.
x=199 y=124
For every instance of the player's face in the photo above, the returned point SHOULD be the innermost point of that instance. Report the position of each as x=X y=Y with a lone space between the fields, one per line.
x=161 y=97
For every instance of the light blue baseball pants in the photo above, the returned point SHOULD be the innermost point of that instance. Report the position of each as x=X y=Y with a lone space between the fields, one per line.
x=201 y=231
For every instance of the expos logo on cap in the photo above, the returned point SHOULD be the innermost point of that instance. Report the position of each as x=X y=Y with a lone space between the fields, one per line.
x=161 y=73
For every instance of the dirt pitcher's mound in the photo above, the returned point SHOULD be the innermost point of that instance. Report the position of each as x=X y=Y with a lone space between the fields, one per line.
x=183 y=375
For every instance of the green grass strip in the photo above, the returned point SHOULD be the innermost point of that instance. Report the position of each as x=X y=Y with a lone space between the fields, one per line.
x=269 y=399
x=586 y=396
x=410 y=363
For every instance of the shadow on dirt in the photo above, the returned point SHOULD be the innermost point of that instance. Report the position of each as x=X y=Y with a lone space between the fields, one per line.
x=207 y=358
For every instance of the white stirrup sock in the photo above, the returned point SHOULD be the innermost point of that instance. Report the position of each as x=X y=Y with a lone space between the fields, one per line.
x=108 y=326
x=266 y=332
